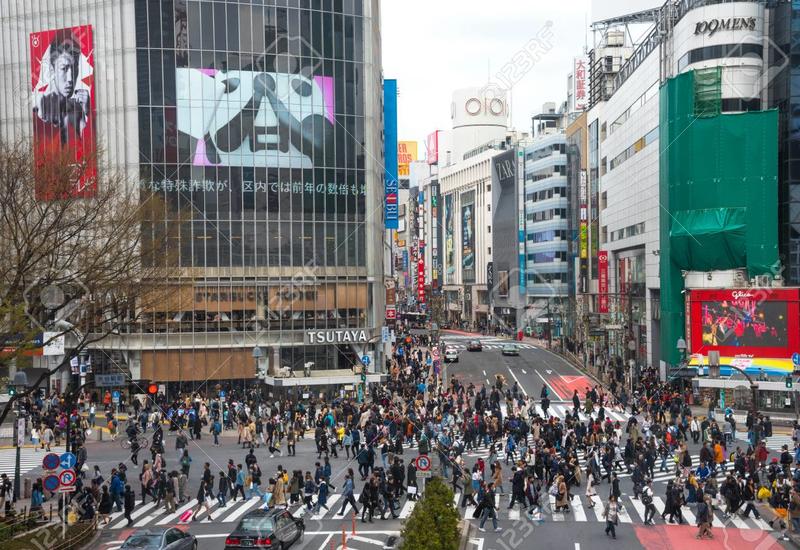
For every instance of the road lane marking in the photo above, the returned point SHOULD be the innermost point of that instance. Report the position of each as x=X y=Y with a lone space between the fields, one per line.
x=514 y=376
x=523 y=371
x=548 y=384
x=484 y=373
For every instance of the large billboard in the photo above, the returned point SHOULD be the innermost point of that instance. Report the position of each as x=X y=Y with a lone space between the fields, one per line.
x=580 y=83
x=391 y=186
x=432 y=147
x=449 y=241
x=468 y=237
x=406 y=154
x=754 y=329
x=62 y=89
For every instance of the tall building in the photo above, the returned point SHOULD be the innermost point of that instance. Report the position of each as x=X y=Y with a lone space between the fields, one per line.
x=259 y=123
x=684 y=156
x=547 y=220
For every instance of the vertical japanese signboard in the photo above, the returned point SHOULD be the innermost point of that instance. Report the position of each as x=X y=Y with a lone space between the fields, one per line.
x=602 y=281
x=580 y=80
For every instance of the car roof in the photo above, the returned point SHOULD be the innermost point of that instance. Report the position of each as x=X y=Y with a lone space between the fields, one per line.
x=152 y=531
x=260 y=512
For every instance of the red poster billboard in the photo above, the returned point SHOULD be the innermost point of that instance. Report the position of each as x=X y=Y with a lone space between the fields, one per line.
x=62 y=89
x=602 y=281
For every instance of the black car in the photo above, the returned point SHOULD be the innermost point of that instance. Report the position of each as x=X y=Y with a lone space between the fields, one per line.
x=160 y=538
x=274 y=529
x=475 y=345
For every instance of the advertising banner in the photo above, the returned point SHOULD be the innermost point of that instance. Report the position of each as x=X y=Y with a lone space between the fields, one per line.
x=468 y=236
x=62 y=90
x=602 y=281
x=390 y=213
x=449 y=241
x=406 y=154
x=432 y=147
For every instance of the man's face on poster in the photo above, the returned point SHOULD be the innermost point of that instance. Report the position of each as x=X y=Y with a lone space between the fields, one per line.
x=65 y=71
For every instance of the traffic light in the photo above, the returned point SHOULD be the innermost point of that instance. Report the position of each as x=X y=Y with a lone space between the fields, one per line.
x=12 y=390
x=152 y=389
x=789 y=381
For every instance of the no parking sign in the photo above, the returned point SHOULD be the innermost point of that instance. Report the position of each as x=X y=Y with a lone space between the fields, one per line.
x=67 y=478
x=423 y=463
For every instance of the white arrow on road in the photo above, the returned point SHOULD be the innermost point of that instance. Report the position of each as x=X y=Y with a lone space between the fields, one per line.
x=549 y=372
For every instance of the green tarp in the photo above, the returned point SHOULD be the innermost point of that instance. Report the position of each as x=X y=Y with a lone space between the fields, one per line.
x=709 y=239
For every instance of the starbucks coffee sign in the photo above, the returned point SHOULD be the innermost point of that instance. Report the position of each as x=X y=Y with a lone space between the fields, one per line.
x=337 y=336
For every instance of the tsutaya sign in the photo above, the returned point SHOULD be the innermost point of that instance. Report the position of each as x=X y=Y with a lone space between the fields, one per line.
x=730 y=24
x=337 y=336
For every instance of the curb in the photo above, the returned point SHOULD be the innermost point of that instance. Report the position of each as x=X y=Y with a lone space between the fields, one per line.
x=466 y=530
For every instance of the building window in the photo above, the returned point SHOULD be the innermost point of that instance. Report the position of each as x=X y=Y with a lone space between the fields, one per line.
x=720 y=51
x=603 y=200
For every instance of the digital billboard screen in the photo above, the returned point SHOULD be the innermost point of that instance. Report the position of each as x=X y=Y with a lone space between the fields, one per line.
x=744 y=322
x=62 y=94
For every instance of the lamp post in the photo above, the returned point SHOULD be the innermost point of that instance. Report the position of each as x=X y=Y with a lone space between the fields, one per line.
x=20 y=381
x=681 y=346
x=257 y=355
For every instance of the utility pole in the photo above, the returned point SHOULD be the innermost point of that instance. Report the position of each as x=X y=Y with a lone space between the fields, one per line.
x=549 y=326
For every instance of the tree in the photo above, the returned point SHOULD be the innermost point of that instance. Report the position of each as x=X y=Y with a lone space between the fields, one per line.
x=433 y=525
x=74 y=266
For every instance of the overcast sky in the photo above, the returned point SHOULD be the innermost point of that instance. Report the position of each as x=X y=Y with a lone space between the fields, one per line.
x=433 y=47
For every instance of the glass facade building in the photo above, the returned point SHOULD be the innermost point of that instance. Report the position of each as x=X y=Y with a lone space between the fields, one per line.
x=258 y=122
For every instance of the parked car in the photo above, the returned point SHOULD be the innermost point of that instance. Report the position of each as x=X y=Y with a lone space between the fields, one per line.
x=163 y=538
x=272 y=529
x=474 y=345
x=450 y=355
x=510 y=349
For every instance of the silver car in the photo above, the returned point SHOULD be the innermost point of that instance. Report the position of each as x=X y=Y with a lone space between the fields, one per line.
x=160 y=538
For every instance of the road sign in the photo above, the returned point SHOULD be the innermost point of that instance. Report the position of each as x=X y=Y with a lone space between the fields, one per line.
x=222 y=394
x=109 y=380
x=51 y=461
x=51 y=483
x=68 y=460
x=365 y=360
x=67 y=477
x=67 y=489
x=425 y=474
x=115 y=395
x=423 y=463
x=384 y=334
x=796 y=358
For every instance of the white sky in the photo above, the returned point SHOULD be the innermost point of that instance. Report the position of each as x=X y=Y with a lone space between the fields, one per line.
x=433 y=47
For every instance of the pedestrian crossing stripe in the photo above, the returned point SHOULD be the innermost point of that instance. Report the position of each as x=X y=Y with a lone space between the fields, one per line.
x=30 y=459
x=777 y=442
x=491 y=346
x=581 y=509
x=589 y=509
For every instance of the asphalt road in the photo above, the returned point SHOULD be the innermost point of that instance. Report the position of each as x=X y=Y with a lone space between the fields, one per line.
x=584 y=527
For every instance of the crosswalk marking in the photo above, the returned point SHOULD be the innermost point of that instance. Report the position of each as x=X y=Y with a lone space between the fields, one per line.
x=141 y=510
x=242 y=510
x=408 y=507
x=177 y=513
x=148 y=514
x=639 y=507
x=331 y=504
x=348 y=507
x=577 y=509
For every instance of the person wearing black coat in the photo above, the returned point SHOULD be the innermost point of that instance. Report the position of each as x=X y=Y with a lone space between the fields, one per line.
x=411 y=479
x=130 y=503
x=104 y=508
x=222 y=489
x=369 y=498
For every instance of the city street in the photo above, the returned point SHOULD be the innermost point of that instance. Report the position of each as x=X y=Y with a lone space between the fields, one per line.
x=531 y=369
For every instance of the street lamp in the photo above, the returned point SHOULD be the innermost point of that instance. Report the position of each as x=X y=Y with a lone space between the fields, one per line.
x=20 y=381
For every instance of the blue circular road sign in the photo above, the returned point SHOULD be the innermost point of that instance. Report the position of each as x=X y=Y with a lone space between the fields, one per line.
x=51 y=461
x=796 y=358
x=365 y=359
x=68 y=460
x=51 y=483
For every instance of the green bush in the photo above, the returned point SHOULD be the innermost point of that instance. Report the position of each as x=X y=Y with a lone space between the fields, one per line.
x=433 y=525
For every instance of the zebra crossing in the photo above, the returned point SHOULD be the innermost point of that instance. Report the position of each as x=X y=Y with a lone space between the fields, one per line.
x=149 y=515
x=582 y=509
x=30 y=459
x=586 y=509
x=776 y=442
x=462 y=347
